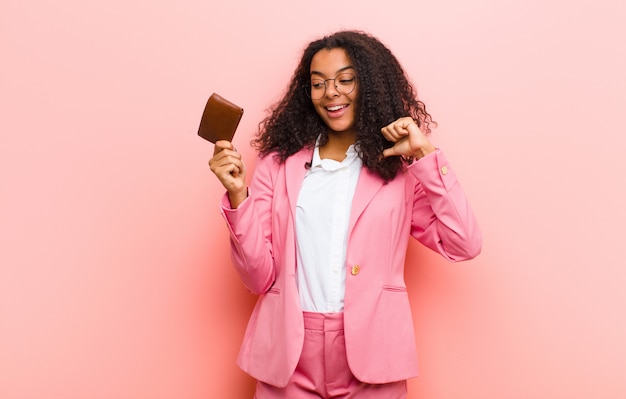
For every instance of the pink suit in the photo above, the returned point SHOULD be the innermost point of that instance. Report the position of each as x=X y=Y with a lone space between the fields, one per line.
x=426 y=202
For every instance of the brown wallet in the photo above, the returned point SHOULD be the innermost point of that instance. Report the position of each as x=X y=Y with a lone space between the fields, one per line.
x=219 y=119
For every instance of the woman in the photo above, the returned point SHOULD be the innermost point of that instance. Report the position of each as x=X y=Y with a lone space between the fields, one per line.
x=346 y=174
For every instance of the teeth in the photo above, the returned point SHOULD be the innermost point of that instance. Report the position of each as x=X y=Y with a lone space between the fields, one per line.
x=335 y=108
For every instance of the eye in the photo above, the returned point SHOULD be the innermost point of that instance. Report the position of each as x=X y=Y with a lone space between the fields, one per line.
x=345 y=79
x=317 y=84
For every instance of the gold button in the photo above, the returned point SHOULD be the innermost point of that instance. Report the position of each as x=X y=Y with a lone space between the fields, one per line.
x=355 y=270
x=444 y=170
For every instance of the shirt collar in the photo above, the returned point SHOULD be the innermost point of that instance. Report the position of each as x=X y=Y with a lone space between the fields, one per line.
x=329 y=164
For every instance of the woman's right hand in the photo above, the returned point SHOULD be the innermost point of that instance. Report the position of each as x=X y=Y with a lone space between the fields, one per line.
x=227 y=164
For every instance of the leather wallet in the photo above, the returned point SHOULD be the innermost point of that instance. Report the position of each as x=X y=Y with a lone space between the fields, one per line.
x=219 y=119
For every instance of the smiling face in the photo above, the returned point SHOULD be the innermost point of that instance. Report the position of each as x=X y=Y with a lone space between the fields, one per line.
x=337 y=110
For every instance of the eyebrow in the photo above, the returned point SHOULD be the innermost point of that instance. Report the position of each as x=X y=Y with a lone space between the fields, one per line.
x=338 y=70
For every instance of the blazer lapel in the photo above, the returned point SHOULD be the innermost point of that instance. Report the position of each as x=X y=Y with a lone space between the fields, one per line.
x=294 y=175
x=366 y=188
x=368 y=185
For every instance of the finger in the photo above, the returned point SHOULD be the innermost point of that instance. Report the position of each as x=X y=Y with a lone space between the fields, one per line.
x=232 y=170
x=386 y=134
x=392 y=132
x=227 y=160
x=401 y=127
x=227 y=174
x=225 y=156
x=222 y=145
x=413 y=129
x=222 y=161
x=390 y=152
x=236 y=167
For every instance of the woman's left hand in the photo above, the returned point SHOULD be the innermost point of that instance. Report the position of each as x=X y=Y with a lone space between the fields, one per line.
x=408 y=138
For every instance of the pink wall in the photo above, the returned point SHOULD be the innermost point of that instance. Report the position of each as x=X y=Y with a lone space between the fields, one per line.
x=115 y=280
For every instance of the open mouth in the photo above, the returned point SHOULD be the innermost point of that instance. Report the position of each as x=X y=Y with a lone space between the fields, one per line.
x=335 y=108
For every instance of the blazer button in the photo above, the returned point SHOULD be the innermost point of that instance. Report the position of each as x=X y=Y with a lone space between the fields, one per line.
x=355 y=270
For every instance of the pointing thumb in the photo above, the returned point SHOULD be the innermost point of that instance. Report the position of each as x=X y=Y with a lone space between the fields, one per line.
x=389 y=152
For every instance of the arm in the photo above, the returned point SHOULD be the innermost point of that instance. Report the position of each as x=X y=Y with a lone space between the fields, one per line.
x=248 y=216
x=442 y=218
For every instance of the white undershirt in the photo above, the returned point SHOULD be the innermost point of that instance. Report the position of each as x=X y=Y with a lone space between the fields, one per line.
x=322 y=218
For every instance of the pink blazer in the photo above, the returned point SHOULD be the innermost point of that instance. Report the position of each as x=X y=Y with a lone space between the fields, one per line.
x=426 y=202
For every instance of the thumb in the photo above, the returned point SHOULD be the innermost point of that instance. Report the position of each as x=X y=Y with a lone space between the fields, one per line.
x=389 y=152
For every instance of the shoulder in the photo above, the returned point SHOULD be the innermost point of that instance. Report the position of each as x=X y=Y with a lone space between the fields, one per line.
x=271 y=164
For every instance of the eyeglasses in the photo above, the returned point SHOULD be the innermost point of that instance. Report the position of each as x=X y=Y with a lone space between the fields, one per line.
x=344 y=84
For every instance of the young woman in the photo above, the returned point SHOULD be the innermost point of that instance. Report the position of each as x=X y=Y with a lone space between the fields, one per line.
x=346 y=175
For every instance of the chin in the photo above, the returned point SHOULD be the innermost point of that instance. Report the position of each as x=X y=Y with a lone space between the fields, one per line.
x=339 y=128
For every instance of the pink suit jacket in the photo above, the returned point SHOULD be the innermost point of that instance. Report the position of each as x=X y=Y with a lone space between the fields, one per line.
x=425 y=202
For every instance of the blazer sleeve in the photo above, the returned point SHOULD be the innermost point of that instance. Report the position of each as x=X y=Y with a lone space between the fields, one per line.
x=250 y=227
x=442 y=218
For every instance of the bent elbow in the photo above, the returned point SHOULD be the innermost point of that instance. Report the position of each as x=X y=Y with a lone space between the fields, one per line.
x=468 y=249
x=258 y=283
x=473 y=251
x=258 y=289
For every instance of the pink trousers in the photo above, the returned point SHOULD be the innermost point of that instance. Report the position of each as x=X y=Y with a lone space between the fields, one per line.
x=323 y=372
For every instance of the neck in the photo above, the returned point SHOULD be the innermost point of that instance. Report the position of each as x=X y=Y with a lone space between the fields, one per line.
x=337 y=145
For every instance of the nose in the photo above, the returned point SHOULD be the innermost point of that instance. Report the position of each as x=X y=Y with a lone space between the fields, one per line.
x=331 y=89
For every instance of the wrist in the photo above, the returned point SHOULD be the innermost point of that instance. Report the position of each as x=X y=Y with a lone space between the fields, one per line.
x=237 y=197
x=423 y=151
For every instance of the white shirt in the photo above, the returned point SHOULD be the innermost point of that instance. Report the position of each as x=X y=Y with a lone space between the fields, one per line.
x=322 y=218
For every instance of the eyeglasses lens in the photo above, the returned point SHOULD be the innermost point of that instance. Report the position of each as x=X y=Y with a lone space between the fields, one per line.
x=344 y=84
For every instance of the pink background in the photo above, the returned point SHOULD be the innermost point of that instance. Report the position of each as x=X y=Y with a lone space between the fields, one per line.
x=115 y=280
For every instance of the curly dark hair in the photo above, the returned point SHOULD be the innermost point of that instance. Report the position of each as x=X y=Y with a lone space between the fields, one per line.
x=385 y=94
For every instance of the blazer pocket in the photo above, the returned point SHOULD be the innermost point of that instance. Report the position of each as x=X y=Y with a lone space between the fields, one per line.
x=394 y=288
